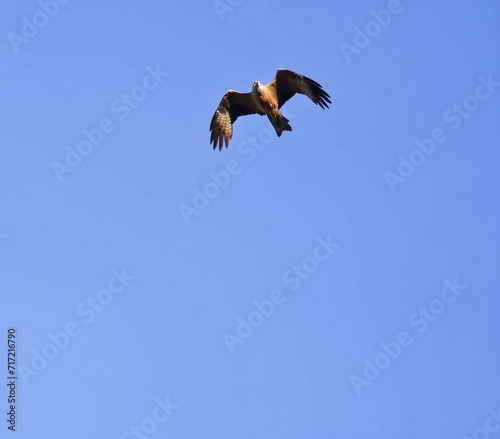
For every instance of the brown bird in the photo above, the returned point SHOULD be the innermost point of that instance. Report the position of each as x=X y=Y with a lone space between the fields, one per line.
x=263 y=100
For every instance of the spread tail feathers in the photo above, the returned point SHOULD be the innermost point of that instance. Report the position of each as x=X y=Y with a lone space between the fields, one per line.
x=280 y=124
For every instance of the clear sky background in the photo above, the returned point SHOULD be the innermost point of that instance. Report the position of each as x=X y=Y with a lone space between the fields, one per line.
x=121 y=299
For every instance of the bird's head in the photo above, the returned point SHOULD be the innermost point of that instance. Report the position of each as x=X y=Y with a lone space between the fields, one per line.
x=256 y=85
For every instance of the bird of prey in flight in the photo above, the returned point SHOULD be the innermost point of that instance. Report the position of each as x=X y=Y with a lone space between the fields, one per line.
x=263 y=100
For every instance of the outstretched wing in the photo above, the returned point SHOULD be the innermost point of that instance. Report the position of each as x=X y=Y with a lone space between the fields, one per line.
x=232 y=105
x=287 y=83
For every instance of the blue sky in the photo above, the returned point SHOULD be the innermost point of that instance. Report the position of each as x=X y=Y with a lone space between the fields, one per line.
x=338 y=281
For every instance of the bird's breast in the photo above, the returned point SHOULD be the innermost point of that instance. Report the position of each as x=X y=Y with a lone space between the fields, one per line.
x=266 y=101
